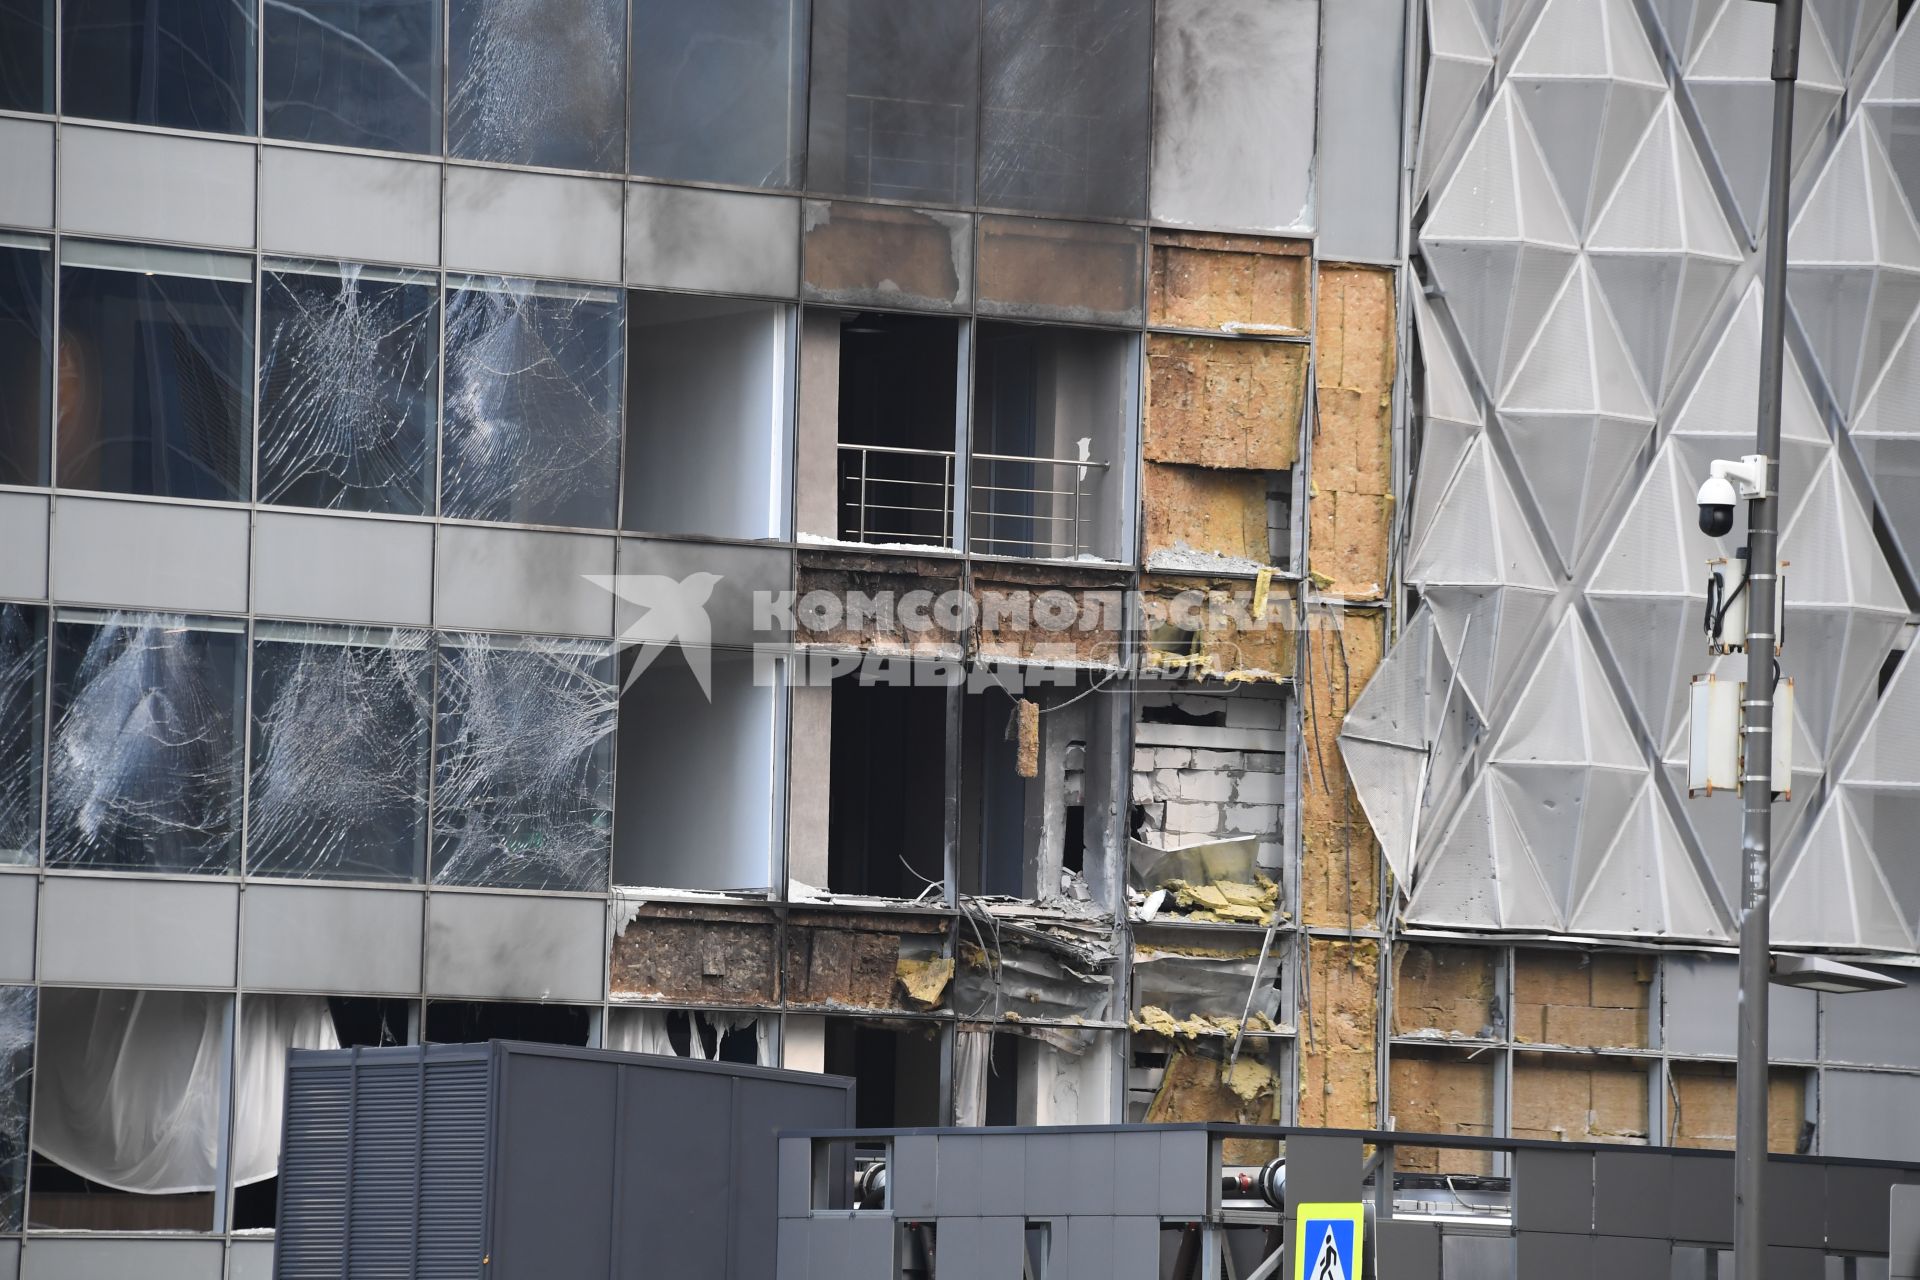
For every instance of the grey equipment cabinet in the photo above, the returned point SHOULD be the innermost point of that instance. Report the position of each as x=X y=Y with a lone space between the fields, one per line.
x=508 y=1161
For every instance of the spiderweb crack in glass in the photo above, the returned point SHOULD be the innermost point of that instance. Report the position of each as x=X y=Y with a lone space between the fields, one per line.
x=539 y=82
x=23 y=650
x=524 y=766
x=17 y=1006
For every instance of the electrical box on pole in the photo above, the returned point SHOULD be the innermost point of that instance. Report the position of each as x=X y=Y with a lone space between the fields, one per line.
x=1717 y=737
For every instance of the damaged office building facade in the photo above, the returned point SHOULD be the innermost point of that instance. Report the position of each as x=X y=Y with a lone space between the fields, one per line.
x=1099 y=561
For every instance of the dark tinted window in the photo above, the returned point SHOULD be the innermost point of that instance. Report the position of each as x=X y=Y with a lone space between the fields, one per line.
x=718 y=90
x=26 y=55
x=187 y=64
x=26 y=330
x=355 y=73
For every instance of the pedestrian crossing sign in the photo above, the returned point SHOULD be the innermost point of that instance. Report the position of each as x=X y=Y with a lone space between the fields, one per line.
x=1328 y=1239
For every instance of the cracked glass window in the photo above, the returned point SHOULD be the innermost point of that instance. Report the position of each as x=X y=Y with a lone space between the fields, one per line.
x=353 y=73
x=718 y=90
x=26 y=69
x=895 y=84
x=145 y=772
x=339 y=760
x=538 y=82
x=26 y=357
x=532 y=417
x=1064 y=106
x=156 y=371
x=348 y=356
x=183 y=64
x=17 y=1005
x=23 y=675
x=523 y=766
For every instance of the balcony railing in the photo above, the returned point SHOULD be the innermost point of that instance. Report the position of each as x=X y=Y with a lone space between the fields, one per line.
x=1018 y=505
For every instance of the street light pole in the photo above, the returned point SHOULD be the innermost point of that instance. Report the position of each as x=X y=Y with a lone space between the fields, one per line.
x=1756 y=784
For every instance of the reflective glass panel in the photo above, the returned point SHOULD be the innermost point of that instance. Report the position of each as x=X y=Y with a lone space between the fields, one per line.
x=355 y=73
x=26 y=362
x=719 y=90
x=184 y=64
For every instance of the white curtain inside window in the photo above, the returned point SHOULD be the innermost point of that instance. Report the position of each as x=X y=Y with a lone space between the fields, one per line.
x=972 y=1054
x=645 y=1031
x=127 y=1088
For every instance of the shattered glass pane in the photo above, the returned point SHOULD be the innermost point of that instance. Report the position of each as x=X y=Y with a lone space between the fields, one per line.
x=354 y=73
x=26 y=69
x=347 y=365
x=16 y=1097
x=182 y=64
x=894 y=91
x=532 y=402
x=340 y=722
x=146 y=743
x=156 y=376
x=523 y=768
x=717 y=90
x=1063 y=106
x=23 y=675
x=26 y=361
x=539 y=82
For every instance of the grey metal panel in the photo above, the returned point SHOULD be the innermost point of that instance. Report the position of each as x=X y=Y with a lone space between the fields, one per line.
x=342 y=568
x=913 y=1175
x=1795 y=1264
x=759 y=1113
x=1796 y=1199
x=1629 y=1256
x=962 y=1186
x=1631 y=1193
x=1090 y=1188
x=1701 y=994
x=1869 y=1115
x=1083 y=1249
x=149 y=1257
x=1407 y=1250
x=1357 y=182
x=1553 y=1190
x=796 y=1177
x=250 y=1260
x=532 y=224
x=456 y=1135
x=1702 y=1199
x=1881 y=1028
x=793 y=1252
x=552 y=1167
x=841 y=1248
x=1857 y=1207
x=1224 y=72
x=1050 y=1171
x=1904 y=1242
x=1136 y=1173
x=1322 y=1170
x=23 y=531
x=712 y=241
x=17 y=893
x=522 y=580
x=980 y=1248
x=515 y=946
x=361 y=208
x=331 y=938
x=1542 y=1253
x=9 y=1259
x=1183 y=1175
x=126 y=931
x=192 y=190
x=149 y=555
x=26 y=157
x=742 y=571
x=1464 y=1257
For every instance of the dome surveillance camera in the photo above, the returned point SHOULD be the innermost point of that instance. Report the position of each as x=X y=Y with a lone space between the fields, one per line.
x=1716 y=501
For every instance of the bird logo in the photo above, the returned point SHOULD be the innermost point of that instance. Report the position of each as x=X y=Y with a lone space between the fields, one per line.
x=667 y=612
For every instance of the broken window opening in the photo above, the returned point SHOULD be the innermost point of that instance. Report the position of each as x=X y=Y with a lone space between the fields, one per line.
x=340 y=758
x=896 y=1066
x=1052 y=415
x=1280 y=518
x=348 y=361
x=1446 y=1091
x=523 y=766
x=26 y=353
x=538 y=82
x=156 y=371
x=179 y=66
x=146 y=742
x=1175 y=1081
x=474 y=1021
x=17 y=1010
x=708 y=389
x=23 y=676
x=1205 y=992
x=898 y=384
x=886 y=801
x=353 y=73
x=532 y=413
x=1038 y=1244
x=718 y=91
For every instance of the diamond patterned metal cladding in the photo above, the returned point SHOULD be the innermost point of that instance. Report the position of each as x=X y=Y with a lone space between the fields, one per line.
x=1499 y=17
x=1725 y=48
x=1575 y=414
x=1451 y=420
x=1564 y=830
x=1893 y=104
x=1480 y=573
x=1498 y=241
x=1589 y=83
x=1836 y=893
x=1854 y=278
x=1459 y=63
x=1662 y=251
x=1853 y=27
x=1887 y=433
x=1406 y=740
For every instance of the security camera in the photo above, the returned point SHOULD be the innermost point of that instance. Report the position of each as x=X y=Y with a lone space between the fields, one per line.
x=1716 y=500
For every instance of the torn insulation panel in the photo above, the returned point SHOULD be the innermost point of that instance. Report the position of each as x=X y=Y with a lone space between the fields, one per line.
x=1204 y=519
x=880 y=255
x=1589 y=1000
x=1351 y=508
x=533 y=395
x=1180 y=981
x=850 y=601
x=523 y=766
x=17 y=1009
x=1039 y=980
x=349 y=357
x=1339 y=1017
x=1052 y=613
x=1339 y=856
x=340 y=752
x=1565 y=1098
x=1442 y=1091
x=538 y=82
x=1227 y=628
x=1222 y=403
x=686 y=954
x=1701 y=1107
x=1446 y=993
x=844 y=961
x=145 y=771
x=23 y=688
x=1196 y=1086
x=1202 y=280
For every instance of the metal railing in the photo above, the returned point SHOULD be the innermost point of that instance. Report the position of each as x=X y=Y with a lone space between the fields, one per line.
x=891 y=494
